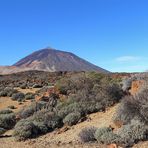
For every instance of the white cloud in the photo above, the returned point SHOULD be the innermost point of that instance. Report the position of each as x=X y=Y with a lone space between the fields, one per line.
x=131 y=68
x=127 y=59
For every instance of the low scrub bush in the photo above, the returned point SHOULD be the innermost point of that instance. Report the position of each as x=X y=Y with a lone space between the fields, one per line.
x=41 y=122
x=72 y=118
x=67 y=107
x=53 y=121
x=127 y=110
x=2 y=131
x=23 y=86
x=87 y=134
x=3 y=93
x=7 y=121
x=25 y=129
x=127 y=83
x=18 y=97
x=29 y=96
x=96 y=91
x=133 y=107
x=106 y=136
x=30 y=110
x=101 y=131
x=8 y=91
x=6 y=111
x=132 y=133
x=42 y=128
x=49 y=118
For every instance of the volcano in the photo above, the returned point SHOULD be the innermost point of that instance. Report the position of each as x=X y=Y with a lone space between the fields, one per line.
x=52 y=60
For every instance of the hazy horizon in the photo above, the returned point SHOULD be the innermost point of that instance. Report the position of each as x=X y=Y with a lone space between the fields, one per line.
x=111 y=34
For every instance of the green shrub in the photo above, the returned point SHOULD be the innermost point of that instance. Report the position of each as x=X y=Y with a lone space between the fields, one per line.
x=29 y=96
x=30 y=110
x=53 y=121
x=91 y=107
x=90 y=93
x=87 y=134
x=106 y=136
x=11 y=92
x=18 y=97
x=132 y=133
x=67 y=108
x=7 y=121
x=3 y=93
x=133 y=107
x=50 y=119
x=8 y=91
x=25 y=129
x=127 y=110
x=41 y=127
x=23 y=86
x=6 y=111
x=72 y=118
x=62 y=86
x=41 y=122
x=99 y=132
x=2 y=131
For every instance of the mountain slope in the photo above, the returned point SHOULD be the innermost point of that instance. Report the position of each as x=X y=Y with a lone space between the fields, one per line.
x=56 y=60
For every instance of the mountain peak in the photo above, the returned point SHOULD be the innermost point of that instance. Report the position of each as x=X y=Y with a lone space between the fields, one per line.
x=50 y=59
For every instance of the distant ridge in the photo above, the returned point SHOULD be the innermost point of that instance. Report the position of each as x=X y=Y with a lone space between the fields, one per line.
x=52 y=60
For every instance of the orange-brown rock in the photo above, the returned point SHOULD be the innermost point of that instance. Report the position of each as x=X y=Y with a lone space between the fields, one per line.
x=136 y=86
x=118 y=124
x=112 y=146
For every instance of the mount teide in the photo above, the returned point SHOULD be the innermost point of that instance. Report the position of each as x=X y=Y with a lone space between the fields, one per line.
x=51 y=60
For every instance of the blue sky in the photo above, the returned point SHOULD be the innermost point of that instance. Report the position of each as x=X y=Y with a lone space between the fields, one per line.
x=112 y=34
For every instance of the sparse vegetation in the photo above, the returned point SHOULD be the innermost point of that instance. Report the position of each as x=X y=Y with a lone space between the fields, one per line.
x=72 y=118
x=23 y=86
x=83 y=93
x=127 y=83
x=88 y=94
x=29 y=96
x=87 y=134
x=24 y=129
x=132 y=133
x=133 y=107
x=7 y=119
x=132 y=113
x=41 y=122
x=18 y=97
x=7 y=92
x=30 y=110
x=6 y=111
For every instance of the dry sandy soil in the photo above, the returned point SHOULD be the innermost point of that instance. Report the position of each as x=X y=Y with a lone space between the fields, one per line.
x=6 y=101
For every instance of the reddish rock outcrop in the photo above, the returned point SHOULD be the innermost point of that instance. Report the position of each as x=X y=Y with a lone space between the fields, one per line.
x=136 y=85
